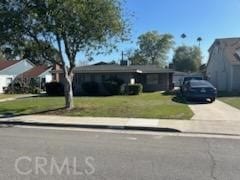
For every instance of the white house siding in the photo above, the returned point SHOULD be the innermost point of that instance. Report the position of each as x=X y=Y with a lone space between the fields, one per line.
x=236 y=78
x=18 y=68
x=49 y=78
x=5 y=80
x=8 y=74
x=219 y=70
x=47 y=75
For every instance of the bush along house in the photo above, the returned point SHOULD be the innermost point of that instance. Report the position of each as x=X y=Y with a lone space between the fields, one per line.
x=93 y=79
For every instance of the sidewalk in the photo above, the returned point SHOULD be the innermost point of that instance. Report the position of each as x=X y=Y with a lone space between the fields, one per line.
x=228 y=127
x=18 y=97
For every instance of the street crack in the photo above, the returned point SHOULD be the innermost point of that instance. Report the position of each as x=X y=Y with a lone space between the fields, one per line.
x=213 y=161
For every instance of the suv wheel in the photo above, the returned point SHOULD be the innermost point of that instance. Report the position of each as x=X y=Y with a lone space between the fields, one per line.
x=212 y=99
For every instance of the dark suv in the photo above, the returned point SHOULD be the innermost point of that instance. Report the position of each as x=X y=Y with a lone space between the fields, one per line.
x=199 y=89
x=188 y=78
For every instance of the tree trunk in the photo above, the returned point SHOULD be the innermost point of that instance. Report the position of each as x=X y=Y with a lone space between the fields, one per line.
x=68 y=74
x=68 y=91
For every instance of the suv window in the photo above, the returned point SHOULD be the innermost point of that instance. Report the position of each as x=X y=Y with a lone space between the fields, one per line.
x=186 y=79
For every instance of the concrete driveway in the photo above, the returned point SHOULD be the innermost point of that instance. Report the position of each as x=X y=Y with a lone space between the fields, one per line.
x=215 y=111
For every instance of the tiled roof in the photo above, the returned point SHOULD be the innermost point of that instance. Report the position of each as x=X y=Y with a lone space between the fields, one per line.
x=34 y=72
x=115 y=68
x=5 y=64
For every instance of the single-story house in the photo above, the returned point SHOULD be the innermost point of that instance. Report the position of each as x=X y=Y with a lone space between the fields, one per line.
x=178 y=77
x=152 y=77
x=223 y=67
x=41 y=74
x=10 y=69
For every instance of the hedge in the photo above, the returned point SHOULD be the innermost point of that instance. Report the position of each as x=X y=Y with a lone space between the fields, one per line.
x=134 y=89
x=113 y=86
x=55 y=89
x=20 y=86
x=91 y=88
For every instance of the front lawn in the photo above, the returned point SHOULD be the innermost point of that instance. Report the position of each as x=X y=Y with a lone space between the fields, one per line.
x=146 y=105
x=233 y=101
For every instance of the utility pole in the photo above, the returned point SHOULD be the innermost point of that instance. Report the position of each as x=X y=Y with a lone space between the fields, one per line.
x=122 y=56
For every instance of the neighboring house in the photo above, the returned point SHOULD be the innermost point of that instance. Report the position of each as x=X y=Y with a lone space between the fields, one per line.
x=153 y=78
x=223 y=68
x=41 y=74
x=203 y=70
x=178 y=78
x=9 y=70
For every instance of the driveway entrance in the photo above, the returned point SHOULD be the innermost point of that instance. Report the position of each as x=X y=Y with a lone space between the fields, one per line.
x=214 y=111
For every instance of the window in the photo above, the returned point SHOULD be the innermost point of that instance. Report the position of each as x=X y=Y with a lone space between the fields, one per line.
x=103 y=77
x=152 y=79
x=92 y=77
x=87 y=77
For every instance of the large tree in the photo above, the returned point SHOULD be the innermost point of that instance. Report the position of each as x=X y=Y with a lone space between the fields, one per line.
x=154 y=47
x=8 y=53
x=2 y=57
x=31 y=51
x=187 y=58
x=71 y=26
x=135 y=58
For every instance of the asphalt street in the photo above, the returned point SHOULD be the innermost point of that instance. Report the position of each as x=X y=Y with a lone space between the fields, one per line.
x=33 y=153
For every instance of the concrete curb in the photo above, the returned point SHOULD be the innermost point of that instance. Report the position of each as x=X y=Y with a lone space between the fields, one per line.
x=159 y=125
x=110 y=127
x=90 y=126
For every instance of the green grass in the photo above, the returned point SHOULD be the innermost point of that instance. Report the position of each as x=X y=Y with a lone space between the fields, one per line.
x=233 y=101
x=146 y=105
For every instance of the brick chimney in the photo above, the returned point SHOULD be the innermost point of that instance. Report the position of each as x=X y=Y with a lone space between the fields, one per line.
x=56 y=73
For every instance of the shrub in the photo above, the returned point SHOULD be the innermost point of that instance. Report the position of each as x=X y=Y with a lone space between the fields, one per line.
x=91 y=88
x=113 y=86
x=123 y=89
x=33 y=83
x=35 y=90
x=17 y=87
x=23 y=86
x=55 y=89
x=134 y=89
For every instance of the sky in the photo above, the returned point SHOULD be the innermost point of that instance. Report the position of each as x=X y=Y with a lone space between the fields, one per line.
x=209 y=19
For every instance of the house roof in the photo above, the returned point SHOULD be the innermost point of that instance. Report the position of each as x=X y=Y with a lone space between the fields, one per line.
x=115 y=68
x=101 y=63
x=5 y=64
x=179 y=73
x=34 y=72
x=229 y=46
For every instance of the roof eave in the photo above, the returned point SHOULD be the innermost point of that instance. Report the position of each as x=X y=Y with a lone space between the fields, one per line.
x=104 y=71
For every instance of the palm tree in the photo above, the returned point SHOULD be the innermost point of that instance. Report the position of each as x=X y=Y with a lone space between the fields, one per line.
x=183 y=36
x=199 y=39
